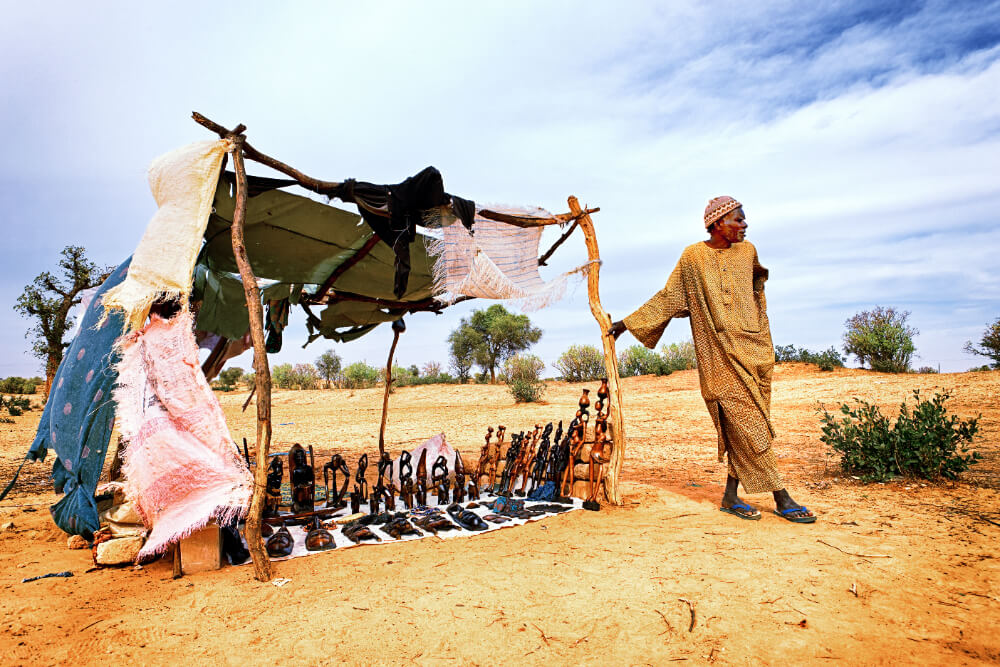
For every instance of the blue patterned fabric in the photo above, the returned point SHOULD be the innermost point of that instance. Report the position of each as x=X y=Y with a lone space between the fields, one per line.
x=80 y=414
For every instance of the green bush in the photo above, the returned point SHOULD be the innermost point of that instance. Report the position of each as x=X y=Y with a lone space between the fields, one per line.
x=231 y=376
x=401 y=377
x=638 y=360
x=924 y=442
x=826 y=361
x=221 y=386
x=926 y=370
x=15 y=405
x=881 y=338
x=581 y=363
x=19 y=385
x=679 y=356
x=360 y=375
x=522 y=373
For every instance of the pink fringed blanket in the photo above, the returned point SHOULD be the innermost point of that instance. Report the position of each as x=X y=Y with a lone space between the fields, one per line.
x=181 y=466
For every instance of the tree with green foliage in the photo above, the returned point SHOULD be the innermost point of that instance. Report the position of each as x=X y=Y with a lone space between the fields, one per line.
x=462 y=343
x=522 y=373
x=231 y=376
x=639 y=360
x=881 y=339
x=360 y=375
x=989 y=345
x=581 y=363
x=49 y=299
x=679 y=356
x=328 y=365
x=497 y=334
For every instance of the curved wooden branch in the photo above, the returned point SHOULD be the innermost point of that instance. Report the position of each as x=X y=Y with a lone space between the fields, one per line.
x=615 y=409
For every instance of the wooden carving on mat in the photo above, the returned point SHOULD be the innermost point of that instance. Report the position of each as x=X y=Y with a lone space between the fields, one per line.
x=406 y=479
x=335 y=497
x=495 y=458
x=302 y=479
x=421 y=492
x=484 y=457
x=273 y=499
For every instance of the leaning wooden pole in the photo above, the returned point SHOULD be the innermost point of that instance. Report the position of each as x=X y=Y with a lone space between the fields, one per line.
x=262 y=373
x=615 y=410
x=398 y=327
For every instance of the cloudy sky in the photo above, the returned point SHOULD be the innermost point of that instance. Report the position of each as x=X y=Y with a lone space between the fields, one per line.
x=862 y=137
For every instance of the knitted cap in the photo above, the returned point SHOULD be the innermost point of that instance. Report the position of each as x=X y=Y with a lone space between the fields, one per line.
x=719 y=207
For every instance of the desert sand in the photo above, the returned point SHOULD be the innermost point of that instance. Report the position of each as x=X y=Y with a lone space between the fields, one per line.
x=904 y=572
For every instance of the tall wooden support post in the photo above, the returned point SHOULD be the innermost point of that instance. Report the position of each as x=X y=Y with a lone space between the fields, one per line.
x=262 y=373
x=615 y=415
x=398 y=327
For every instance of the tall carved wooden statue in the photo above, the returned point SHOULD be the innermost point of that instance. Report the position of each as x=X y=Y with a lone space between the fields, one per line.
x=302 y=478
x=272 y=500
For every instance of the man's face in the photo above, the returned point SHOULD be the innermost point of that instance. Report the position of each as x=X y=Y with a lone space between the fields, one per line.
x=732 y=226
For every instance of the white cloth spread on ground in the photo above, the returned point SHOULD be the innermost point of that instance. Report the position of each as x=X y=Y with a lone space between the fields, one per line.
x=182 y=468
x=496 y=261
x=183 y=183
x=299 y=532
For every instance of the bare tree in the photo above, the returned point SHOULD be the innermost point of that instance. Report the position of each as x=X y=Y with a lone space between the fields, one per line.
x=49 y=299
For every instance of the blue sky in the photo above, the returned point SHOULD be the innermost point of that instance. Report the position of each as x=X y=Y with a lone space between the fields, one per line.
x=862 y=138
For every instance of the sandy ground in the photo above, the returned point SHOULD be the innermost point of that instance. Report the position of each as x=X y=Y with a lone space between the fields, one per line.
x=895 y=573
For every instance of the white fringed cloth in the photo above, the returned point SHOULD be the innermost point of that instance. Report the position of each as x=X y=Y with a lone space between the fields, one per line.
x=181 y=466
x=183 y=183
x=496 y=261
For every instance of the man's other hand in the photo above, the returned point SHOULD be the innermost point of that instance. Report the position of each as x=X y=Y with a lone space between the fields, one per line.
x=617 y=329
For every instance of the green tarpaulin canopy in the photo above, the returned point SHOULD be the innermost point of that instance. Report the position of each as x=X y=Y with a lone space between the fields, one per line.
x=296 y=244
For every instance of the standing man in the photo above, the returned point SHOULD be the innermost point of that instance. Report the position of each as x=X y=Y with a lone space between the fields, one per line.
x=719 y=284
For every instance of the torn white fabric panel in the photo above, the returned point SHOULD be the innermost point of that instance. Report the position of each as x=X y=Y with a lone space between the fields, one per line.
x=183 y=183
x=496 y=261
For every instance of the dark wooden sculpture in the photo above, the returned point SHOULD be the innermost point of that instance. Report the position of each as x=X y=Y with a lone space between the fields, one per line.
x=360 y=483
x=421 y=490
x=406 y=479
x=495 y=459
x=399 y=527
x=459 y=478
x=302 y=477
x=506 y=480
x=355 y=501
x=466 y=518
x=440 y=481
x=319 y=538
x=600 y=453
x=526 y=458
x=434 y=522
x=272 y=501
x=380 y=492
x=280 y=544
x=484 y=458
x=356 y=532
x=335 y=497
x=537 y=471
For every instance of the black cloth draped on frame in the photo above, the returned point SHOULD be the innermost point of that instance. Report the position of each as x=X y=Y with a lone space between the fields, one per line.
x=394 y=211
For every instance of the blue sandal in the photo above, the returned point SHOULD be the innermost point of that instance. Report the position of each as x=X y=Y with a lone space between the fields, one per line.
x=748 y=512
x=784 y=514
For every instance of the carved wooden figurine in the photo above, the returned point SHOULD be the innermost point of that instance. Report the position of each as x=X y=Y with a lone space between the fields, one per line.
x=360 y=483
x=537 y=472
x=523 y=466
x=506 y=479
x=495 y=459
x=272 y=500
x=335 y=497
x=280 y=544
x=600 y=454
x=484 y=457
x=319 y=538
x=440 y=481
x=406 y=479
x=302 y=478
x=459 y=478
x=421 y=490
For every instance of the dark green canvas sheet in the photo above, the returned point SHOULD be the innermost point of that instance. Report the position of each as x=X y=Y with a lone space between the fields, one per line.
x=297 y=241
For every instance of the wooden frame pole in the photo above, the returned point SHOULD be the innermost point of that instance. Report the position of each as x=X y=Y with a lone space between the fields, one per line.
x=397 y=328
x=262 y=372
x=615 y=409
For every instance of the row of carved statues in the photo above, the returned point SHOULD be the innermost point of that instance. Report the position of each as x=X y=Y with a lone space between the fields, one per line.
x=412 y=490
x=542 y=468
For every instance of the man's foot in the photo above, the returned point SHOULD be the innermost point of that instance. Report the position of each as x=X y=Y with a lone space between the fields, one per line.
x=790 y=510
x=742 y=510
